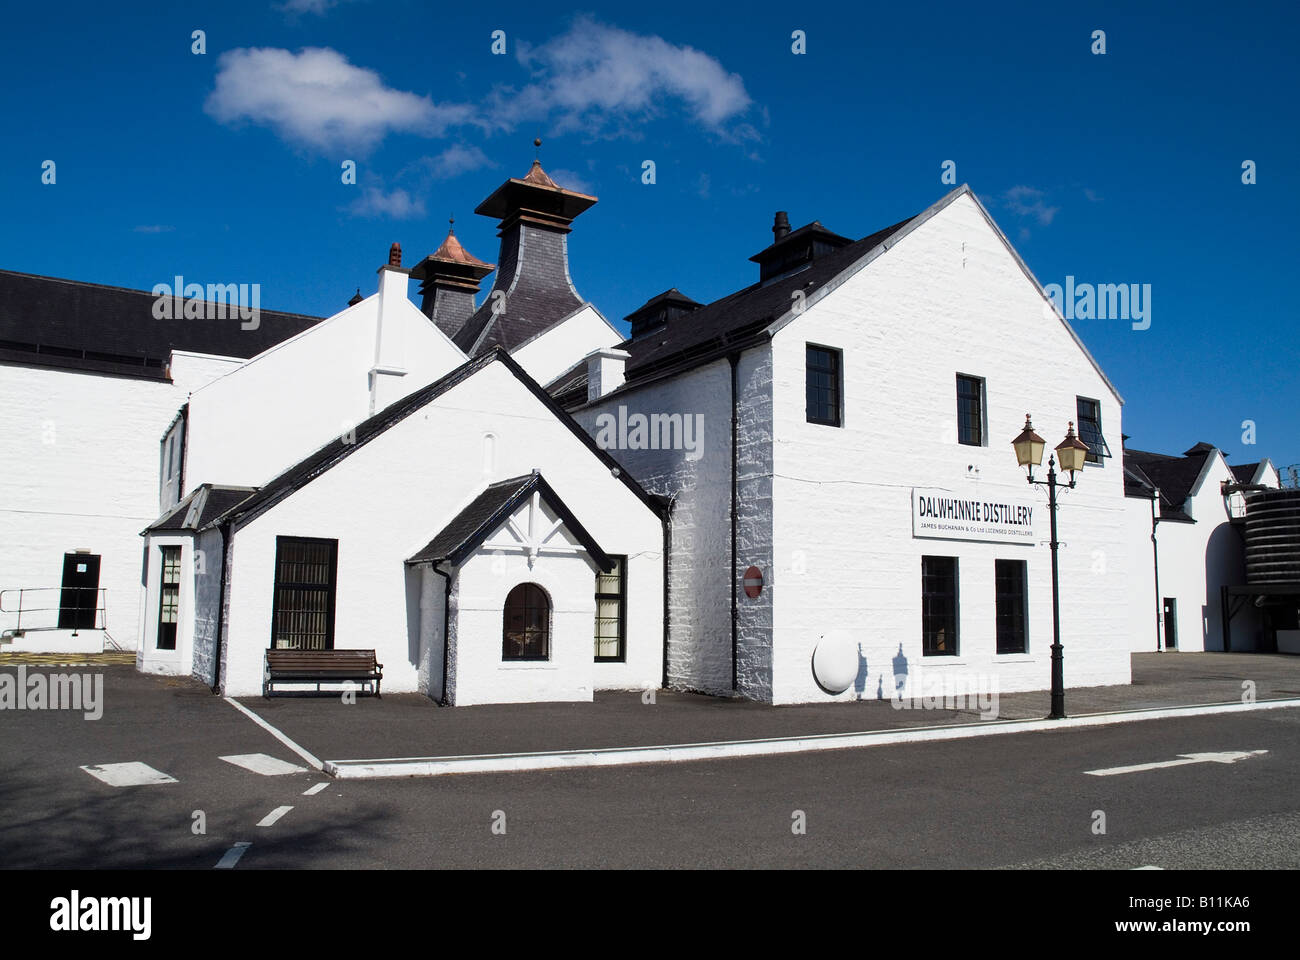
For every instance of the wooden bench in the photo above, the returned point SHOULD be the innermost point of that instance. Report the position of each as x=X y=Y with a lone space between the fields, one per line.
x=321 y=666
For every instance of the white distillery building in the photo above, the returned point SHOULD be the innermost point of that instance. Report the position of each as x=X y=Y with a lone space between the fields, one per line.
x=90 y=379
x=1187 y=517
x=858 y=402
x=395 y=479
x=803 y=491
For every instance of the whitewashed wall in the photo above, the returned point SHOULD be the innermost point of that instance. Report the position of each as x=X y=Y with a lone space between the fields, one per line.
x=1143 y=607
x=559 y=347
x=484 y=581
x=148 y=658
x=699 y=647
x=300 y=394
x=388 y=499
x=946 y=299
x=81 y=470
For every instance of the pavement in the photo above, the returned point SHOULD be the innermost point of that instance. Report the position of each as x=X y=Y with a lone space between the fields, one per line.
x=171 y=776
x=411 y=725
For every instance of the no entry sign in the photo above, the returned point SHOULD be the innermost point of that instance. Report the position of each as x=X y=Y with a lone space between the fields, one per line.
x=753 y=582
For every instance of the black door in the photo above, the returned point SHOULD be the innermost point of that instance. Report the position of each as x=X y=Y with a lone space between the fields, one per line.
x=80 y=593
x=1171 y=623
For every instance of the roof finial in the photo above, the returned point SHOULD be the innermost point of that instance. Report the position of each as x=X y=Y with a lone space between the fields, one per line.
x=537 y=149
x=451 y=228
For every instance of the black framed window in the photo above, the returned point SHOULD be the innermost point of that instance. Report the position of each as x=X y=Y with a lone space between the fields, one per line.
x=939 y=606
x=824 y=382
x=169 y=597
x=1089 y=419
x=611 y=612
x=302 y=617
x=970 y=410
x=1010 y=587
x=526 y=634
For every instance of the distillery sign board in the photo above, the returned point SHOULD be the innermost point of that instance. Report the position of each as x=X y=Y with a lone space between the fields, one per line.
x=945 y=515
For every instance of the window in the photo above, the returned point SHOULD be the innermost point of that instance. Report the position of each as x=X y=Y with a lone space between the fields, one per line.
x=169 y=597
x=970 y=410
x=939 y=606
x=1010 y=577
x=1090 y=430
x=302 y=617
x=611 y=611
x=823 y=377
x=527 y=629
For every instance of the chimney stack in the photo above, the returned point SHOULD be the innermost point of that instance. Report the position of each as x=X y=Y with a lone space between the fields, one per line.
x=606 y=371
x=780 y=226
x=395 y=255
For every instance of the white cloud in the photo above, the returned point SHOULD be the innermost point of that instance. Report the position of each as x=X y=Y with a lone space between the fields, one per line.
x=595 y=74
x=395 y=205
x=154 y=228
x=1026 y=201
x=317 y=98
x=455 y=160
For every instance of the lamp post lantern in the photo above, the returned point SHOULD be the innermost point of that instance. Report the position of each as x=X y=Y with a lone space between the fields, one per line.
x=1070 y=453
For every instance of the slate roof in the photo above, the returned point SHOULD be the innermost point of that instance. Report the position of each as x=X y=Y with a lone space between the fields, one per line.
x=1245 y=472
x=491 y=508
x=1174 y=476
x=701 y=335
x=203 y=505
x=307 y=469
x=51 y=322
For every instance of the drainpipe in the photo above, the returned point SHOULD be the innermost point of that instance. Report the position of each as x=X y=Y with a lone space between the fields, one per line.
x=734 y=360
x=224 y=529
x=1155 y=554
x=667 y=513
x=446 y=631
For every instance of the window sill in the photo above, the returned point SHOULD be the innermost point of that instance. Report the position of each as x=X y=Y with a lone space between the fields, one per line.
x=528 y=665
x=1014 y=658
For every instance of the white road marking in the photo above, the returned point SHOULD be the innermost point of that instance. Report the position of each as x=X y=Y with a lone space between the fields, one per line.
x=267 y=766
x=676 y=753
x=1148 y=868
x=133 y=774
x=275 y=733
x=1229 y=756
x=312 y=791
x=273 y=816
x=231 y=856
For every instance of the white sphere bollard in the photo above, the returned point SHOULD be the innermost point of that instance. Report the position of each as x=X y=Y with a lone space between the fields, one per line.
x=835 y=662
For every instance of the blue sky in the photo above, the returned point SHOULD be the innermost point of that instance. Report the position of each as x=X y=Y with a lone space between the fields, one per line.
x=1117 y=168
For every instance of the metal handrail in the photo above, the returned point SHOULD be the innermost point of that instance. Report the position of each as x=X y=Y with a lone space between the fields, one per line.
x=100 y=608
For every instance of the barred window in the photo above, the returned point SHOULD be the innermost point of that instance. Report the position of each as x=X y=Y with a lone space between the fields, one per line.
x=611 y=612
x=1010 y=589
x=303 y=614
x=939 y=606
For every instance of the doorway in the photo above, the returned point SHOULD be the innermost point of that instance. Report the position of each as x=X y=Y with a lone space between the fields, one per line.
x=79 y=594
x=1171 y=623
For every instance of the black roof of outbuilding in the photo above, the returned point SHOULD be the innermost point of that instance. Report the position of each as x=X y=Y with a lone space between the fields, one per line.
x=203 y=505
x=491 y=508
x=1245 y=472
x=51 y=322
x=307 y=469
x=1173 y=476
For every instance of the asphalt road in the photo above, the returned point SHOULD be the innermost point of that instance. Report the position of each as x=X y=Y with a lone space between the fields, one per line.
x=1021 y=800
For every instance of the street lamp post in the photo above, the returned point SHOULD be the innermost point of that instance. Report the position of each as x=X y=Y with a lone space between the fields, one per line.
x=1071 y=453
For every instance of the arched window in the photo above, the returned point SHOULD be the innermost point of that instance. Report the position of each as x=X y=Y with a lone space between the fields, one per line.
x=527 y=630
